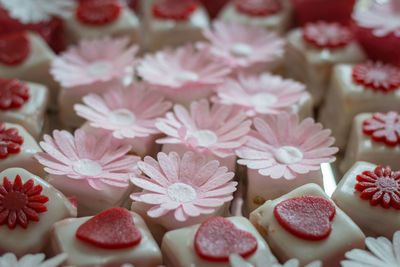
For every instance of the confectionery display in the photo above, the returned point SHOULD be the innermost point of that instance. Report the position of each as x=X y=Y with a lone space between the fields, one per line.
x=189 y=133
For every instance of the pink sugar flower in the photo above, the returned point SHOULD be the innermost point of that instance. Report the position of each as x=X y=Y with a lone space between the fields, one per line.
x=219 y=129
x=98 y=160
x=37 y=260
x=187 y=186
x=263 y=94
x=283 y=147
x=100 y=60
x=129 y=112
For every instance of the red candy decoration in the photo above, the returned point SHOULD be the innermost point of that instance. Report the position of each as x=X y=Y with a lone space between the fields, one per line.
x=214 y=6
x=98 y=12
x=258 y=7
x=383 y=128
x=218 y=237
x=10 y=141
x=14 y=48
x=20 y=202
x=307 y=217
x=175 y=9
x=381 y=186
x=13 y=94
x=111 y=229
x=327 y=35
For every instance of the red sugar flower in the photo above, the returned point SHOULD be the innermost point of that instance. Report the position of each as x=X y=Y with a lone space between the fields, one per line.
x=175 y=9
x=383 y=128
x=382 y=186
x=13 y=94
x=258 y=7
x=98 y=12
x=10 y=141
x=14 y=48
x=20 y=202
x=327 y=35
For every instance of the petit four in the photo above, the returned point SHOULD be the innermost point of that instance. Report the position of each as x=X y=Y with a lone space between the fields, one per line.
x=110 y=238
x=212 y=243
x=282 y=154
x=369 y=194
x=37 y=260
x=213 y=130
x=94 y=169
x=311 y=223
x=29 y=207
x=312 y=51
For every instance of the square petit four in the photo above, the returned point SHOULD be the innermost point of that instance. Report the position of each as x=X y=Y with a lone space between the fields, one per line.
x=29 y=208
x=24 y=103
x=369 y=194
x=365 y=87
x=212 y=242
x=312 y=51
x=111 y=238
x=305 y=224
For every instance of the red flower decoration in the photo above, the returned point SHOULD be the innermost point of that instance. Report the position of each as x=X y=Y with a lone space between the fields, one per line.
x=380 y=186
x=98 y=12
x=258 y=7
x=327 y=35
x=13 y=94
x=383 y=128
x=10 y=141
x=14 y=48
x=20 y=203
x=377 y=76
x=175 y=9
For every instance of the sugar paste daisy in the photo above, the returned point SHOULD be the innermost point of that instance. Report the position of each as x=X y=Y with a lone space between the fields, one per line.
x=266 y=261
x=37 y=260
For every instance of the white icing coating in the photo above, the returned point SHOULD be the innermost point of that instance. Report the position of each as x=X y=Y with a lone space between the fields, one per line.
x=181 y=192
x=87 y=167
x=121 y=117
x=205 y=138
x=288 y=154
x=186 y=76
x=241 y=49
x=99 y=68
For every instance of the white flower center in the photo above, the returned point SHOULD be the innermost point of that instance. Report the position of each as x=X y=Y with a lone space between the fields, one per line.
x=377 y=75
x=121 y=117
x=240 y=49
x=181 y=192
x=87 y=167
x=288 y=155
x=263 y=100
x=185 y=76
x=205 y=138
x=99 y=68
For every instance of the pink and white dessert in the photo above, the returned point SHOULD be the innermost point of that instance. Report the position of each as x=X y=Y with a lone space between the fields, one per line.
x=17 y=148
x=95 y=170
x=23 y=103
x=243 y=47
x=282 y=154
x=375 y=138
x=369 y=194
x=37 y=260
x=91 y=67
x=183 y=74
x=365 y=87
x=270 y=14
x=181 y=191
x=265 y=94
x=213 y=130
x=29 y=207
x=268 y=261
x=314 y=49
x=311 y=223
x=113 y=237
x=129 y=114
x=213 y=242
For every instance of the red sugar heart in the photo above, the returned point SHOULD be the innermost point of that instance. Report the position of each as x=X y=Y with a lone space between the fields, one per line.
x=218 y=237
x=307 y=217
x=111 y=229
x=174 y=9
x=98 y=12
x=14 y=48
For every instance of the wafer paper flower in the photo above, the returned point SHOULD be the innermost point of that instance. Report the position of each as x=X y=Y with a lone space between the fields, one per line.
x=382 y=253
x=283 y=147
x=182 y=68
x=265 y=260
x=99 y=60
x=242 y=46
x=98 y=160
x=127 y=113
x=187 y=186
x=29 y=260
x=263 y=94
x=219 y=129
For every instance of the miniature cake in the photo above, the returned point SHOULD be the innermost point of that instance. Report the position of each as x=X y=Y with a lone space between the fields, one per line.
x=369 y=194
x=29 y=207
x=375 y=138
x=366 y=87
x=282 y=154
x=212 y=242
x=94 y=169
x=311 y=223
x=111 y=238
x=23 y=103
x=213 y=130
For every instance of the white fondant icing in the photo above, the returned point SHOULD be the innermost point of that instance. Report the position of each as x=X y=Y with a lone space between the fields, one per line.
x=87 y=167
x=181 y=192
x=288 y=154
x=121 y=117
x=205 y=138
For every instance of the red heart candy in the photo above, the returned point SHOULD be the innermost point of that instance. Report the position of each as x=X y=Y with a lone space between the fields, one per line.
x=14 y=48
x=111 y=229
x=307 y=217
x=98 y=12
x=218 y=237
x=174 y=9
